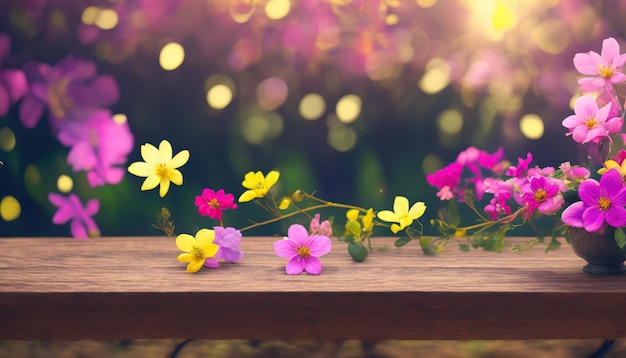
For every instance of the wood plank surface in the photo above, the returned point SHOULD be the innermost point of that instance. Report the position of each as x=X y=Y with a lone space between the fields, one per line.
x=133 y=287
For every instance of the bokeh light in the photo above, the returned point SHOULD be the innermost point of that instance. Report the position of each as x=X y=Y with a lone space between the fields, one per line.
x=261 y=127
x=312 y=106
x=10 y=208
x=219 y=96
x=120 y=118
x=271 y=93
x=7 y=139
x=450 y=121
x=342 y=138
x=171 y=56
x=531 y=126
x=64 y=183
x=106 y=19
x=277 y=9
x=436 y=78
x=348 y=108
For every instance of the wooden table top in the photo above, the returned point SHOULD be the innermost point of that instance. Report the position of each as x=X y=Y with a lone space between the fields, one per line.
x=133 y=287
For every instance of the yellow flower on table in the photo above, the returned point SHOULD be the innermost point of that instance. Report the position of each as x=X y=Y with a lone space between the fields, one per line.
x=196 y=249
x=401 y=215
x=159 y=167
x=258 y=185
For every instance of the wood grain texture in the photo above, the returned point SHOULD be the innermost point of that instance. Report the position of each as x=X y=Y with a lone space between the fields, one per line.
x=133 y=287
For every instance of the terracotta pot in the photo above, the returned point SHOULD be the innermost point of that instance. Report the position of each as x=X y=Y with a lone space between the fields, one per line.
x=599 y=249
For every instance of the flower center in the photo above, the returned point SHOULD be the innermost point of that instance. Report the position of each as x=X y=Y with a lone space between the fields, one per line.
x=304 y=251
x=214 y=203
x=540 y=195
x=605 y=72
x=161 y=171
x=197 y=252
x=604 y=203
x=591 y=122
x=58 y=101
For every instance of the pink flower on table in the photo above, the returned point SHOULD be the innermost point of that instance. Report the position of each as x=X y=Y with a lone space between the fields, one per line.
x=71 y=209
x=590 y=123
x=601 y=202
x=302 y=250
x=13 y=83
x=228 y=239
x=605 y=68
x=66 y=90
x=212 y=203
x=541 y=194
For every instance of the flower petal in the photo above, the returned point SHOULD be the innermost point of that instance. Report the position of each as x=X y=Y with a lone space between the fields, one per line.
x=417 y=210
x=285 y=248
x=180 y=159
x=294 y=266
x=195 y=265
x=175 y=176
x=165 y=186
x=298 y=234
x=400 y=205
x=312 y=265
x=271 y=178
x=165 y=151
x=388 y=215
x=185 y=242
x=320 y=245
x=151 y=182
x=141 y=169
x=150 y=154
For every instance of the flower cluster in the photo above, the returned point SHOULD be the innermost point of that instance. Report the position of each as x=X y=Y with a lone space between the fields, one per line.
x=301 y=247
x=74 y=100
x=571 y=196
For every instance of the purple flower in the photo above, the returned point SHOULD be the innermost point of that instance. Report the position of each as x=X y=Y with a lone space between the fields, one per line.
x=70 y=208
x=99 y=146
x=13 y=83
x=302 y=250
x=66 y=89
x=600 y=202
x=228 y=239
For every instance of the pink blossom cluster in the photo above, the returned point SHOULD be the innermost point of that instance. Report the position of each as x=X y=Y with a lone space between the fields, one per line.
x=74 y=99
x=522 y=186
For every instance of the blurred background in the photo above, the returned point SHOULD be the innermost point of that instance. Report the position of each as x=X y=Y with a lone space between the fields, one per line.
x=356 y=100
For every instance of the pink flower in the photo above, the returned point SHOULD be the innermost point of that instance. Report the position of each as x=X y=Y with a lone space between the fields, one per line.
x=70 y=208
x=317 y=228
x=446 y=180
x=521 y=168
x=13 y=83
x=212 y=203
x=228 y=239
x=590 y=123
x=600 y=201
x=302 y=250
x=541 y=194
x=605 y=67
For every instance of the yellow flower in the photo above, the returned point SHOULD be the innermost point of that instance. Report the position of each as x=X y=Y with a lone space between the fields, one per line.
x=257 y=185
x=159 y=167
x=401 y=213
x=197 y=249
x=368 y=220
x=611 y=164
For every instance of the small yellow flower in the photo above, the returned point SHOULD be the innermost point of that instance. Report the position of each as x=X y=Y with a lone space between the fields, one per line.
x=159 y=167
x=196 y=250
x=401 y=213
x=368 y=220
x=352 y=214
x=257 y=185
x=611 y=164
x=285 y=203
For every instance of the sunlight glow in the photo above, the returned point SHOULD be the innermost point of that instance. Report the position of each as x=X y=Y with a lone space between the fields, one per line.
x=531 y=126
x=277 y=9
x=219 y=96
x=312 y=106
x=65 y=183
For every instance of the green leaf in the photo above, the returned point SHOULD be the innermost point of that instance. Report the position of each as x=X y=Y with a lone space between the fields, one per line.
x=464 y=247
x=620 y=238
x=357 y=252
x=453 y=214
x=554 y=244
x=354 y=228
x=402 y=241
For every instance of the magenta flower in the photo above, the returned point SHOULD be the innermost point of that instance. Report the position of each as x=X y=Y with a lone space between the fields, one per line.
x=302 y=250
x=70 y=208
x=600 y=202
x=317 y=228
x=212 y=203
x=446 y=180
x=66 y=90
x=99 y=146
x=521 y=168
x=605 y=67
x=541 y=194
x=590 y=123
x=13 y=83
